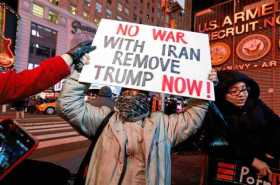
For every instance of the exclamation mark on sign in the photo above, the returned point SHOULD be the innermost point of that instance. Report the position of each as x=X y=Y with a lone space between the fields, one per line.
x=208 y=90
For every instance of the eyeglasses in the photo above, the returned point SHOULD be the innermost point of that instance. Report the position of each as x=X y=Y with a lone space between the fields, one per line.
x=236 y=92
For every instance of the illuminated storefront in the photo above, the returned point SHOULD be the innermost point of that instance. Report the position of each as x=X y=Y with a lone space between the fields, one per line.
x=7 y=36
x=245 y=35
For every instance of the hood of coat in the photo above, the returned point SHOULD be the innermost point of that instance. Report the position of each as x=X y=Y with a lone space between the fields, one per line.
x=229 y=78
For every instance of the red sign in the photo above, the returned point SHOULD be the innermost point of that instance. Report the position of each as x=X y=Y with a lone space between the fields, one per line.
x=238 y=174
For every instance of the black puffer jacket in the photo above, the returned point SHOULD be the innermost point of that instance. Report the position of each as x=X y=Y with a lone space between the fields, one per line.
x=252 y=131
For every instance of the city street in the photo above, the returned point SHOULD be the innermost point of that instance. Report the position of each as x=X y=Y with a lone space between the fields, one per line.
x=58 y=141
x=152 y=57
x=60 y=144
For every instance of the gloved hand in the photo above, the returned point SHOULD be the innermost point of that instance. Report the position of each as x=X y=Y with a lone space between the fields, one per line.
x=78 y=52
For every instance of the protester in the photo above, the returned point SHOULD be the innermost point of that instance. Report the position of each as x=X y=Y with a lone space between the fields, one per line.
x=19 y=107
x=104 y=98
x=156 y=103
x=31 y=105
x=15 y=86
x=250 y=129
x=134 y=147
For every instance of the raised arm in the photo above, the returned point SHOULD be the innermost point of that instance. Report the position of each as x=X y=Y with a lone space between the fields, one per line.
x=181 y=126
x=15 y=86
x=71 y=105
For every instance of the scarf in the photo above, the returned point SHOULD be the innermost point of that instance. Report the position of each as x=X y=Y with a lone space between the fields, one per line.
x=132 y=108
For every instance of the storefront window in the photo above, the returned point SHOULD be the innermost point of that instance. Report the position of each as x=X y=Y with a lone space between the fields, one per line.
x=120 y=7
x=37 y=10
x=42 y=43
x=126 y=11
x=85 y=14
x=87 y=3
x=109 y=2
x=53 y=17
x=55 y=2
x=134 y=17
x=98 y=7
x=73 y=9
x=108 y=13
x=97 y=21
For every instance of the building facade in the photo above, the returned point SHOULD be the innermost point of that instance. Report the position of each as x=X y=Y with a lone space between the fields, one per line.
x=45 y=30
x=177 y=14
x=46 y=27
x=244 y=35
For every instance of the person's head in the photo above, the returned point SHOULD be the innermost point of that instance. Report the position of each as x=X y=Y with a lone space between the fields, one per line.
x=105 y=91
x=132 y=104
x=236 y=88
x=237 y=94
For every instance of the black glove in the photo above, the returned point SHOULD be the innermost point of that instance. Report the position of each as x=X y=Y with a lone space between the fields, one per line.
x=78 y=52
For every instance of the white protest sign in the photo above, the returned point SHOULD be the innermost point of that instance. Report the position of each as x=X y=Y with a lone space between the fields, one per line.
x=150 y=58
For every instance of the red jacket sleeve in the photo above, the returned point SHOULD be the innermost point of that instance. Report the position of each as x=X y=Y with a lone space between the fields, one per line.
x=15 y=86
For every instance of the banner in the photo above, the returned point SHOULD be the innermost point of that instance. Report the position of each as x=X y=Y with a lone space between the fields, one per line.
x=150 y=58
x=244 y=35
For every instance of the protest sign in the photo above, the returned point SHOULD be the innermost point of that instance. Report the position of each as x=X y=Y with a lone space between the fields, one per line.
x=150 y=58
x=234 y=173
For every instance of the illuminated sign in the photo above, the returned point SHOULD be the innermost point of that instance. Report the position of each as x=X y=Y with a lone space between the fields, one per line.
x=243 y=34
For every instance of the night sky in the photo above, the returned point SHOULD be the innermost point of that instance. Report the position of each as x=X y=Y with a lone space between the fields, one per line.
x=12 y=3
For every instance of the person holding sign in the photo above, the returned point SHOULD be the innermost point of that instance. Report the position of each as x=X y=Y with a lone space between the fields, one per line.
x=250 y=128
x=135 y=145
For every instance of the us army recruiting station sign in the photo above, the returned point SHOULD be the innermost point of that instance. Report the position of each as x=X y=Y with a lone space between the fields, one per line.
x=150 y=58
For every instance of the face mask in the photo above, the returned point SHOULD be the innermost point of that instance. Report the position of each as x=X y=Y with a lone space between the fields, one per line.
x=132 y=108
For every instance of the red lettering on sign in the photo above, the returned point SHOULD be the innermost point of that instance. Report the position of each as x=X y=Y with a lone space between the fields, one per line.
x=169 y=36
x=130 y=30
x=180 y=85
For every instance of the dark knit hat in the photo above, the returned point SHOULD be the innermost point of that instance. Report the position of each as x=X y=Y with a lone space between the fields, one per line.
x=105 y=91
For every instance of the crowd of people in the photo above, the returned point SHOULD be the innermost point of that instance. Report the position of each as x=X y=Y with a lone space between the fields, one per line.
x=136 y=143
